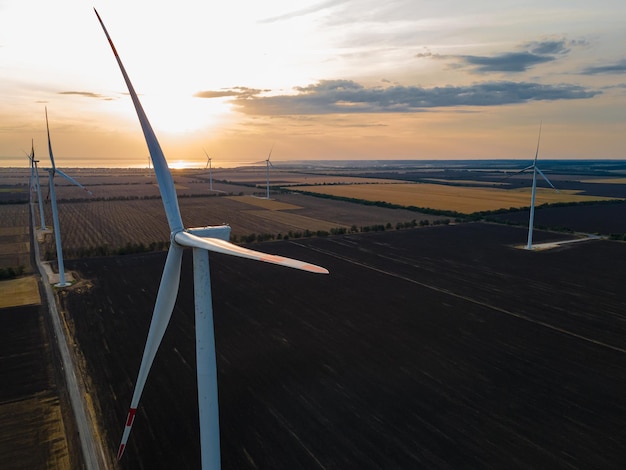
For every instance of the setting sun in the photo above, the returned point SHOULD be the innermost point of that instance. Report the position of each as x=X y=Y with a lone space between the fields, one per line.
x=177 y=113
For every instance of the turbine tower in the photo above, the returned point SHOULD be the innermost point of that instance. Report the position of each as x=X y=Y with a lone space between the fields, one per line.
x=267 y=172
x=55 y=213
x=201 y=240
x=208 y=164
x=34 y=176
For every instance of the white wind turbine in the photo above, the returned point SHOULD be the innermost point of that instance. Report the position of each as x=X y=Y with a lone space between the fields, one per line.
x=34 y=176
x=268 y=164
x=208 y=164
x=535 y=169
x=55 y=213
x=201 y=240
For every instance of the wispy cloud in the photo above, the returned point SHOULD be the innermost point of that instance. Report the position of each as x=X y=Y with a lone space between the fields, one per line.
x=238 y=92
x=87 y=94
x=616 y=68
x=347 y=96
x=526 y=56
x=305 y=11
x=507 y=62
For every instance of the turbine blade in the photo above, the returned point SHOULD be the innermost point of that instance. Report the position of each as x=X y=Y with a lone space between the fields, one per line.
x=73 y=181
x=227 y=248
x=161 y=170
x=538 y=140
x=166 y=298
x=49 y=143
x=546 y=178
x=270 y=154
x=516 y=173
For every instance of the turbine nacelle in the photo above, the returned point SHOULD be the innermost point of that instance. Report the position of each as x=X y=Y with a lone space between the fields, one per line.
x=221 y=232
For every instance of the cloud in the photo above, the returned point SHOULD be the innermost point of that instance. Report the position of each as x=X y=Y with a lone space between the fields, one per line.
x=305 y=11
x=508 y=62
x=617 y=68
x=87 y=94
x=346 y=96
x=239 y=92
x=529 y=54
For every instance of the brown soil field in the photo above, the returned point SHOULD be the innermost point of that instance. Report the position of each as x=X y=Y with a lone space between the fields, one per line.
x=268 y=204
x=603 y=219
x=455 y=198
x=32 y=418
x=14 y=236
x=116 y=223
x=442 y=347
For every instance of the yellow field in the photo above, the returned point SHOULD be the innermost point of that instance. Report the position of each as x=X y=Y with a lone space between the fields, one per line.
x=466 y=182
x=268 y=204
x=19 y=292
x=454 y=198
x=300 y=221
x=606 y=180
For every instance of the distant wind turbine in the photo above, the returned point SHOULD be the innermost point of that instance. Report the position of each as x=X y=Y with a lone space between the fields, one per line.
x=267 y=172
x=201 y=240
x=535 y=169
x=34 y=176
x=268 y=164
x=208 y=164
x=55 y=213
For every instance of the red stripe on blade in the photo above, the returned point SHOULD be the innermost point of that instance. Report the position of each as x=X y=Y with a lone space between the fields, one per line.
x=131 y=416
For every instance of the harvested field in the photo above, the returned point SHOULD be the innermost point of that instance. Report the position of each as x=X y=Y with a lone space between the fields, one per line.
x=465 y=182
x=443 y=197
x=300 y=222
x=287 y=178
x=441 y=347
x=14 y=237
x=19 y=292
x=117 y=223
x=268 y=204
x=14 y=219
x=605 y=180
x=32 y=433
x=9 y=248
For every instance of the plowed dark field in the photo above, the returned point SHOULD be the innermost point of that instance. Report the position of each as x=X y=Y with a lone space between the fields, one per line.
x=602 y=218
x=442 y=347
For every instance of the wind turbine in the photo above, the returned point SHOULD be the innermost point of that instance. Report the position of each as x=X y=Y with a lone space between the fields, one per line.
x=268 y=164
x=34 y=174
x=535 y=169
x=208 y=164
x=55 y=213
x=201 y=240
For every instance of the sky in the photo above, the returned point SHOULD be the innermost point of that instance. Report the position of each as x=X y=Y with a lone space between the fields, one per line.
x=313 y=79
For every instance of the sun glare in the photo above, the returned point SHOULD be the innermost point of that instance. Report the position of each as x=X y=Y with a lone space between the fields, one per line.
x=182 y=164
x=177 y=114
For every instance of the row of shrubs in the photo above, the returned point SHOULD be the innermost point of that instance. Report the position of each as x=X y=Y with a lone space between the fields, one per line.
x=11 y=272
x=106 y=250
